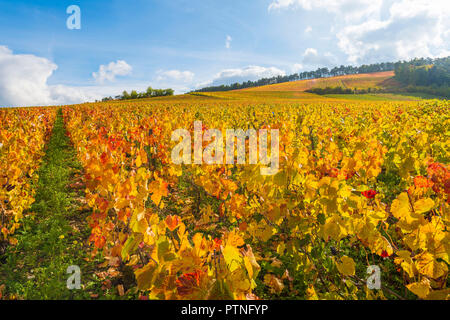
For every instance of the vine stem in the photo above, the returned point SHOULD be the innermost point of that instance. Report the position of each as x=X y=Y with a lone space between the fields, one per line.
x=320 y=273
x=384 y=288
x=3 y=214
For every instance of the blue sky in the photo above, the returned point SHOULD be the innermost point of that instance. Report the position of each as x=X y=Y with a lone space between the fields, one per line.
x=187 y=44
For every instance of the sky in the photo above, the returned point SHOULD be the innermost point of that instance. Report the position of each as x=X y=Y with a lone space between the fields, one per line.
x=189 y=44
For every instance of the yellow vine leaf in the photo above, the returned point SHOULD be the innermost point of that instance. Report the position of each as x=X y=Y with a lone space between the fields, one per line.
x=232 y=257
x=420 y=289
x=347 y=266
x=423 y=205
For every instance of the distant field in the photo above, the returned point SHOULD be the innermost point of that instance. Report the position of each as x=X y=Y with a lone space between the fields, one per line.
x=260 y=95
x=373 y=97
x=358 y=81
x=304 y=96
x=383 y=96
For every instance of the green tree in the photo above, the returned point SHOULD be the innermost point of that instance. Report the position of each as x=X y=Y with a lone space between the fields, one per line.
x=125 y=95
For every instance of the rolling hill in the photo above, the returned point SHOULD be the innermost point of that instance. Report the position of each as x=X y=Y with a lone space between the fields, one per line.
x=389 y=90
x=358 y=81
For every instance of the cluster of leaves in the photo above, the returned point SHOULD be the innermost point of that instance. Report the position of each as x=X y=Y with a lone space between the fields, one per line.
x=23 y=135
x=359 y=184
x=129 y=182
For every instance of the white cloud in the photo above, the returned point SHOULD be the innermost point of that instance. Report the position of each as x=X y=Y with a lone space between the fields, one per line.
x=23 y=78
x=62 y=94
x=308 y=29
x=310 y=52
x=382 y=30
x=228 y=42
x=110 y=71
x=297 y=67
x=279 y=4
x=23 y=82
x=183 y=76
x=312 y=58
x=252 y=73
x=347 y=9
x=414 y=28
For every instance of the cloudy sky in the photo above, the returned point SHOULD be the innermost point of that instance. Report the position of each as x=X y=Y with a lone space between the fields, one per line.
x=186 y=44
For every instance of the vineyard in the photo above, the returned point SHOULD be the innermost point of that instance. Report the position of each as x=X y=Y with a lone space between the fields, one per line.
x=23 y=134
x=360 y=184
x=359 y=81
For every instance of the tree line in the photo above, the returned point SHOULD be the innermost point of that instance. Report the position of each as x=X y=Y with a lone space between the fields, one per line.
x=424 y=72
x=430 y=76
x=149 y=93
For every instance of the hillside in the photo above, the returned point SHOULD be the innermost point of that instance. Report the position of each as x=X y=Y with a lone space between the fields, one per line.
x=358 y=81
x=387 y=89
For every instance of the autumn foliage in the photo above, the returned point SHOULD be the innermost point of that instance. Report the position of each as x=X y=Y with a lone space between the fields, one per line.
x=23 y=135
x=359 y=184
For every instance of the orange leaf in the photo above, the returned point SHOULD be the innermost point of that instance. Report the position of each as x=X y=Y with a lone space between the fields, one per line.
x=120 y=290
x=172 y=222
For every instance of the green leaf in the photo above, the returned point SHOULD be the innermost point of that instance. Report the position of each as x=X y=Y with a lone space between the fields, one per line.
x=220 y=291
x=163 y=248
x=130 y=245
